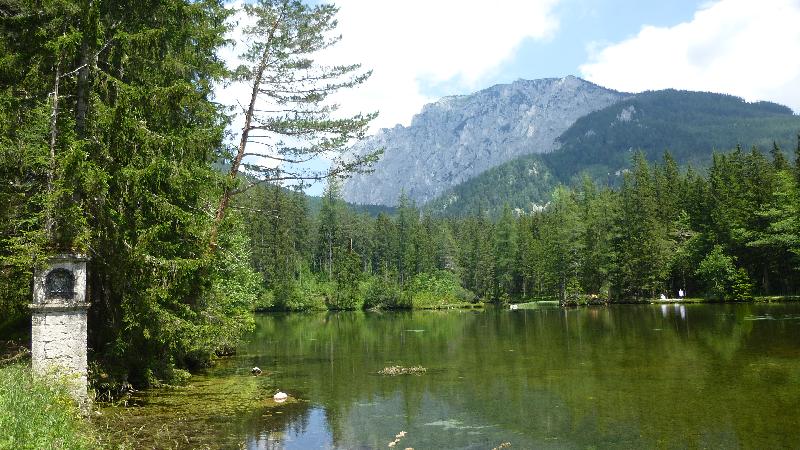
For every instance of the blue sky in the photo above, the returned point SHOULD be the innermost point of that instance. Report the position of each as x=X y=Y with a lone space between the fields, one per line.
x=421 y=50
x=583 y=24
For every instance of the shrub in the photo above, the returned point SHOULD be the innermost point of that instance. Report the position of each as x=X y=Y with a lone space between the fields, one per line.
x=715 y=271
x=307 y=295
x=722 y=280
x=438 y=290
x=385 y=293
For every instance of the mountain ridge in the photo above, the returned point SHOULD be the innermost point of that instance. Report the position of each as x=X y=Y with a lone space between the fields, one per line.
x=690 y=125
x=459 y=137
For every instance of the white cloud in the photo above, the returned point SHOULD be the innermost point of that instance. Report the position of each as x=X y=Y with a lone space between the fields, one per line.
x=408 y=43
x=742 y=47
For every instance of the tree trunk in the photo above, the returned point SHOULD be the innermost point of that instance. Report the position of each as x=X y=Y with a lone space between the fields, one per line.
x=50 y=220
x=237 y=160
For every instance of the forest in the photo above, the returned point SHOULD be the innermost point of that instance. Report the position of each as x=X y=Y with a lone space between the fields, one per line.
x=113 y=145
x=112 y=141
x=691 y=125
x=729 y=233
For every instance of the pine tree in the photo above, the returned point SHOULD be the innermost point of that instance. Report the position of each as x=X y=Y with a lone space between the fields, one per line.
x=384 y=260
x=289 y=119
x=797 y=160
x=113 y=109
x=446 y=248
x=484 y=274
x=779 y=241
x=600 y=214
x=779 y=161
x=407 y=229
x=563 y=235
x=330 y=228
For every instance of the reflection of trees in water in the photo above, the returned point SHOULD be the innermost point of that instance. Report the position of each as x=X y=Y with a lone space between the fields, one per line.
x=630 y=376
x=623 y=375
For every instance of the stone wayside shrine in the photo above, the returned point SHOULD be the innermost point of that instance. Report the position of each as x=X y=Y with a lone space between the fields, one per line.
x=58 y=335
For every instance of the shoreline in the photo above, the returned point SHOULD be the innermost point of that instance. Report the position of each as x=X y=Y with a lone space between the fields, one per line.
x=557 y=303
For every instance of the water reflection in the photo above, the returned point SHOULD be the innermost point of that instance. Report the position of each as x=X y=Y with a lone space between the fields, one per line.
x=307 y=431
x=626 y=376
x=679 y=309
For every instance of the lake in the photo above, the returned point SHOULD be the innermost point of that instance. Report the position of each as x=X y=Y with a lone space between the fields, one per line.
x=624 y=376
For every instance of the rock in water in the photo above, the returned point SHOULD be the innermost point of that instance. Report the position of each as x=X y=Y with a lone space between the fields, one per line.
x=459 y=137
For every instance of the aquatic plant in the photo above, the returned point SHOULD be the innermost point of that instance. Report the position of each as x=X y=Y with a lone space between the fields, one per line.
x=397 y=439
x=400 y=370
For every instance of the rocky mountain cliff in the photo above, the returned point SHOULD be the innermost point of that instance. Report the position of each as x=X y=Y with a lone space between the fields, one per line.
x=690 y=125
x=457 y=138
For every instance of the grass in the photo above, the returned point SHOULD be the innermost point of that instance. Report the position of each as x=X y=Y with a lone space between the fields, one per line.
x=38 y=415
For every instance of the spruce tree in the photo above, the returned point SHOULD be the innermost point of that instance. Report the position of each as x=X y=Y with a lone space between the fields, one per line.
x=506 y=247
x=779 y=161
x=645 y=247
x=563 y=235
x=125 y=171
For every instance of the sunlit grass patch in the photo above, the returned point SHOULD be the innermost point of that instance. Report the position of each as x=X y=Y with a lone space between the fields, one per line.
x=35 y=414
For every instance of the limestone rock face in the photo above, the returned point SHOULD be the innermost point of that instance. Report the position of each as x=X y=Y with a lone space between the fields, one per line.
x=457 y=138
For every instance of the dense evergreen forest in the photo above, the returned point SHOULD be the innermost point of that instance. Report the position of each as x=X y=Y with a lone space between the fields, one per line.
x=111 y=142
x=729 y=234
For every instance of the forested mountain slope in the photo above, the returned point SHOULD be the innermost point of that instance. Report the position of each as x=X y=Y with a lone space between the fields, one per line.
x=524 y=183
x=690 y=125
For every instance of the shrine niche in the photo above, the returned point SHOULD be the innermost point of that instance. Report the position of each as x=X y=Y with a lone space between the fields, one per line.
x=59 y=283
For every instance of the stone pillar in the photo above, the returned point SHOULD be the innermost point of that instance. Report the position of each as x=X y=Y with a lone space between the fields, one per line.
x=58 y=334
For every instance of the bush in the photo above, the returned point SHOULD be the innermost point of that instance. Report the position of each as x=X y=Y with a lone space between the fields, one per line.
x=309 y=294
x=438 y=289
x=382 y=293
x=715 y=270
x=721 y=278
x=265 y=300
x=35 y=414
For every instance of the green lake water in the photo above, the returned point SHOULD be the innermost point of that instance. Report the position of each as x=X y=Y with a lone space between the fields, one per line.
x=627 y=376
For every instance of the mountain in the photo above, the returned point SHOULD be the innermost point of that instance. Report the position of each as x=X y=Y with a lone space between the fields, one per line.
x=691 y=125
x=525 y=183
x=457 y=138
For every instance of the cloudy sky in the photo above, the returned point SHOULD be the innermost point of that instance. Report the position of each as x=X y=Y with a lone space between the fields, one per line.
x=421 y=50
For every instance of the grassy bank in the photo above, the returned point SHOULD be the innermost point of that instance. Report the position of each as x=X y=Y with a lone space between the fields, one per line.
x=38 y=415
